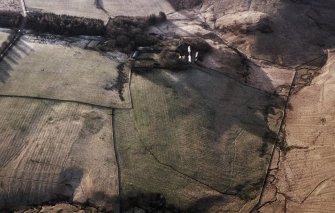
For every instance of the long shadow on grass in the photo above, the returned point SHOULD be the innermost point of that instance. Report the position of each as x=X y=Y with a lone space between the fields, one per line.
x=19 y=192
x=226 y=110
x=100 y=6
x=204 y=110
x=19 y=50
x=229 y=106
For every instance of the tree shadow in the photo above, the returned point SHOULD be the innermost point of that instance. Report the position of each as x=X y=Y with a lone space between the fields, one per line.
x=155 y=202
x=16 y=193
x=100 y=6
x=12 y=57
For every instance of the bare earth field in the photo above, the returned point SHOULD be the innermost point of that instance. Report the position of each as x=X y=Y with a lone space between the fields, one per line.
x=56 y=151
x=197 y=130
x=304 y=176
x=39 y=69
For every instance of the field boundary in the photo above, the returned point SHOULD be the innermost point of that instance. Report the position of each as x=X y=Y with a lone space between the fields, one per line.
x=23 y=6
x=63 y=100
x=275 y=146
x=16 y=35
x=117 y=156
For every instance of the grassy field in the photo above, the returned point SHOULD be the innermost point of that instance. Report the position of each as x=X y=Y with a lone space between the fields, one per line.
x=85 y=8
x=136 y=7
x=100 y=9
x=56 y=151
x=195 y=129
x=55 y=71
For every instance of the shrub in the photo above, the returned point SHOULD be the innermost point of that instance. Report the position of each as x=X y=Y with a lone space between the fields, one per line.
x=10 y=19
x=144 y=40
x=64 y=24
x=162 y=16
x=125 y=25
x=154 y=19
x=122 y=41
x=129 y=32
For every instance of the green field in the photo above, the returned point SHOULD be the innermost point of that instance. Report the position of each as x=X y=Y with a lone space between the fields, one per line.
x=80 y=8
x=195 y=129
x=36 y=68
